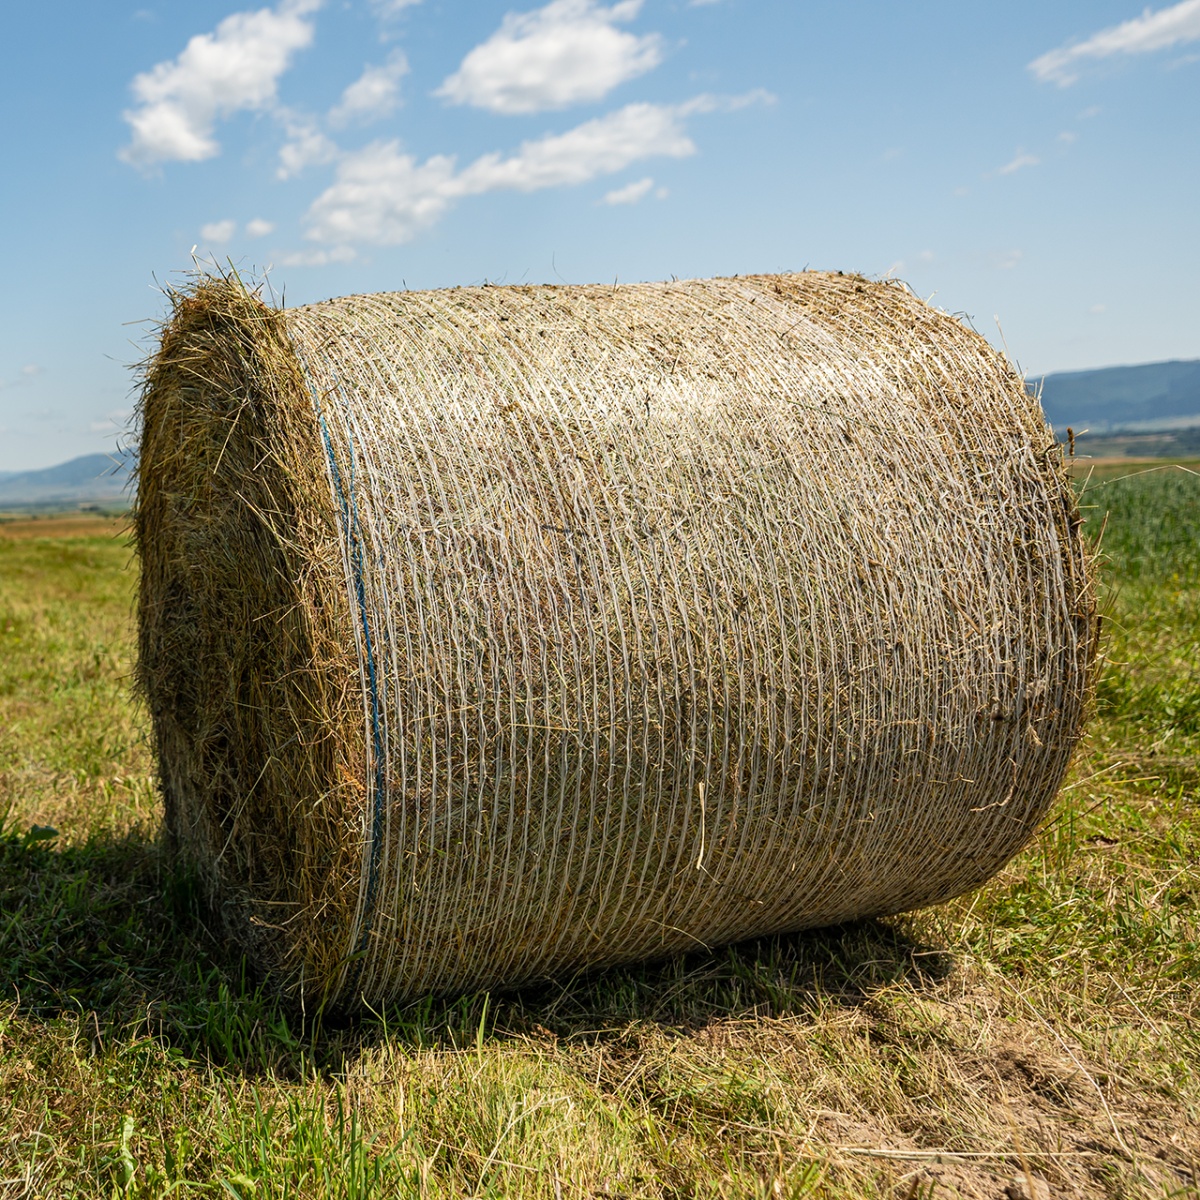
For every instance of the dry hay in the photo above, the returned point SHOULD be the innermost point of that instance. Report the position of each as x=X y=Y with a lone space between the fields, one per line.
x=494 y=632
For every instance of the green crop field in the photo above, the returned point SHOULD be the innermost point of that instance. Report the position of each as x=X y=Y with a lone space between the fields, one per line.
x=1046 y=1026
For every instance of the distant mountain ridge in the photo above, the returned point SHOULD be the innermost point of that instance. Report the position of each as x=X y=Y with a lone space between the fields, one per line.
x=1152 y=396
x=91 y=479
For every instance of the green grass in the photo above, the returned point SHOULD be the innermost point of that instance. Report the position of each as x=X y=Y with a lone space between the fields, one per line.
x=1045 y=1023
x=1147 y=519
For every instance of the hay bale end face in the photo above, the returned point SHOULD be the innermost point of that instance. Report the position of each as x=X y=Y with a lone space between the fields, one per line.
x=493 y=632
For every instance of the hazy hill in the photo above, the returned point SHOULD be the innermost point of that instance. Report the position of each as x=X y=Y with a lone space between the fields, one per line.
x=1153 y=396
x=94 y=478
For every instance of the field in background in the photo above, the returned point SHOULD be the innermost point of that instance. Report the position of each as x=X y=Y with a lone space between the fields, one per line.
x=1047 y=1025
x=17 y=526
x=1177 y=445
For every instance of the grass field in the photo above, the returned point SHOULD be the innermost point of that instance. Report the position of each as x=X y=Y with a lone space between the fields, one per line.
x=1047 y=1026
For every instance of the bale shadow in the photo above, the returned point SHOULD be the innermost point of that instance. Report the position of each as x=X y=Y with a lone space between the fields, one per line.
x=110 y=931
x=777 y=976
x=113 y=936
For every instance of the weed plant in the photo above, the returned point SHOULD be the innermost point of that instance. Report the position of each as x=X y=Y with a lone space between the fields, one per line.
x=1043 y=1026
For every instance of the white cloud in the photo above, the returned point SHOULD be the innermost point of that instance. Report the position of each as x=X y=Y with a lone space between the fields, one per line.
x=708 y=103
x=566 y=53
x=1068 y=136
x=600 y=147
x=259 y=228
x=1142 y=35
x=631 y=193
x=391 y=8
x=1006 y=262
x=383 y=196
x=236 y=68
x=306 y=146
x=218 y=231
x=319 y=258
x=1097 y=309
x=1019 y=161
x=374 y=94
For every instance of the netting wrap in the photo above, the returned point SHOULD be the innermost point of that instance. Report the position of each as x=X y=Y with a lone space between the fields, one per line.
x=493 y=632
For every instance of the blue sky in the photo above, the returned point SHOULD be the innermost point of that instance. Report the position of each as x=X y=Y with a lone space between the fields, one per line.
x=1037 y=163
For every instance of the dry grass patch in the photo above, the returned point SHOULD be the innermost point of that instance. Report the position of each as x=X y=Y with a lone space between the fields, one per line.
x=17 y=526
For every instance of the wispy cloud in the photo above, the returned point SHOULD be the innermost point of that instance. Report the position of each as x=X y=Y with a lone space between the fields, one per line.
x=600 y=147
x=374 y=94
x=566 y=53
x=1151 y=31
x=111 y=422
x=380 y=196
x=924 y=257
x=391 y=8
x=306 y=145
x=1019 y=162
x=219 y=232
x=319 y=258
x=235 y=68
x=631 y=193
x=383 y=196
x=28 y=372
x=707 y=102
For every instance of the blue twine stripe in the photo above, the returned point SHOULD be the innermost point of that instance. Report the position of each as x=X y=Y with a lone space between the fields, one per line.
x=354 y=536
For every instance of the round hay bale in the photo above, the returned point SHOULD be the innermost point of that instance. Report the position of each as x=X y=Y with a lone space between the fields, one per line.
x=493 y=632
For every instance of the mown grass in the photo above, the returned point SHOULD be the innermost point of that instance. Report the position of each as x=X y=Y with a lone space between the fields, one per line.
x=1045 y=1025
